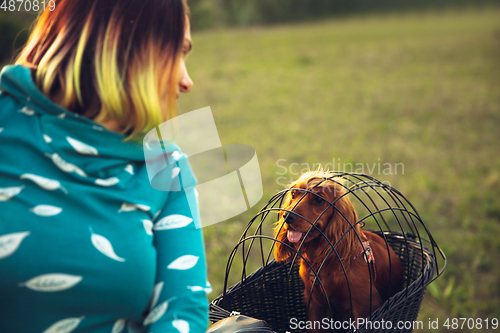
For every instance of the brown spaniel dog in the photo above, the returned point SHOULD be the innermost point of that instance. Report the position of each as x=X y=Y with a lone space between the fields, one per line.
x=355 y=266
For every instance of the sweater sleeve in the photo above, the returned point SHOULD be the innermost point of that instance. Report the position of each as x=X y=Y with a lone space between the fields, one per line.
x=179 y=301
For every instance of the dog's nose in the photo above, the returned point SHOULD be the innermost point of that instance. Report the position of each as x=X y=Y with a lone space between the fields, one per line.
x=290 y=218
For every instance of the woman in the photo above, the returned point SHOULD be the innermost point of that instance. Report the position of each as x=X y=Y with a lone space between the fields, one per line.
x=86 y=244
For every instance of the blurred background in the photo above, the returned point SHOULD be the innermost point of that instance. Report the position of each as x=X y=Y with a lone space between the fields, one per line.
x=370 y=84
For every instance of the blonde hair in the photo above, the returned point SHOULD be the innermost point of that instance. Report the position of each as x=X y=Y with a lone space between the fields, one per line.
x=110 y=59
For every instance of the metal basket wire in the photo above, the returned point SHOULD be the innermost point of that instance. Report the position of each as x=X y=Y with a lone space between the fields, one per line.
x=275 y=291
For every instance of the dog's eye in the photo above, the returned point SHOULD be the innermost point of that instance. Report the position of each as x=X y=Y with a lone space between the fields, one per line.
x=318 y=200
x=293 y=194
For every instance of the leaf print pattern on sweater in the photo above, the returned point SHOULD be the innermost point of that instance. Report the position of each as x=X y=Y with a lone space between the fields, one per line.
x=207 y=290
x=7 y=193
x=107 y=182
x=181 y=325
x=148 y=226
x=45 y=183
x=47 y=138
x=102 y=244
x=65 y=325
x=81 y=147
x=130 y=169
x=172 y=222
x=182 y=263
x=9 y=243
x=65 y=166
x=156 y=314
x=119 y=325
x=27 y=111
x=128 y=207
x=46 y=210
x=52 y=282
x=155 y=295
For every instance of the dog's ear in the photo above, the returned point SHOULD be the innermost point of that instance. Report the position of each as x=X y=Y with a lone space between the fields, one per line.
x=343 y=226
x=281 y=251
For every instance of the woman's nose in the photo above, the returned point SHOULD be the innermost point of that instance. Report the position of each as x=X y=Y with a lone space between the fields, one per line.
x=186 y=84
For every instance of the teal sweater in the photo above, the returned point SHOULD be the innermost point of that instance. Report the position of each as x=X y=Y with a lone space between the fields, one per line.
x=86 y=244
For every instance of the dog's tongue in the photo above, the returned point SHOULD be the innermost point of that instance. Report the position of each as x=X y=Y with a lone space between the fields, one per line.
x=293 y=236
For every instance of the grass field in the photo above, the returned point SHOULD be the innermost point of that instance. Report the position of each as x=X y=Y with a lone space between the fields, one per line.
x=418 y=89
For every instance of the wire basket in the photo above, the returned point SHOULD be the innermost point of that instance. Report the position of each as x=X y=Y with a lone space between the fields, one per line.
x=275 y=291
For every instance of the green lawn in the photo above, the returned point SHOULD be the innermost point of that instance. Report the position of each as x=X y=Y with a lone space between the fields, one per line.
x=421 y=89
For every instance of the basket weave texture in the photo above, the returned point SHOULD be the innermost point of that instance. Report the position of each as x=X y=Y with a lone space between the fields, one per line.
x=275 y=295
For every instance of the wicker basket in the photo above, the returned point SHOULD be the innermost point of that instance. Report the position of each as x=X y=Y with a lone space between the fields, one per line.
x=274 y=292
